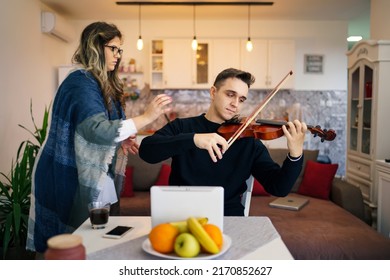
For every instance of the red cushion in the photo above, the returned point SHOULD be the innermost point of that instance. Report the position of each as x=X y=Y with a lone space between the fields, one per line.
x=258 y=189
x=317 y=179
x=128 y=185
x=163 y=176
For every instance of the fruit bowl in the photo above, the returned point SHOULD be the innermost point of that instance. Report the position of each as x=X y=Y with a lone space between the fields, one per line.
x=227 y=242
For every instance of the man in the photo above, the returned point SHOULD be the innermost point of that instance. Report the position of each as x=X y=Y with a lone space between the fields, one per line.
x=200 y=156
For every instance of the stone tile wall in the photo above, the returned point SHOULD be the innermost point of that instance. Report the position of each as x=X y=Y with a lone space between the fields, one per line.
x=328 y=109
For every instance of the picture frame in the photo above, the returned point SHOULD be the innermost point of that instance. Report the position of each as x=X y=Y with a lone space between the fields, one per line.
x=313 y=64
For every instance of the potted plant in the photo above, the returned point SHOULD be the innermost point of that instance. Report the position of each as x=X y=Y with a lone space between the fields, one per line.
x=15 y=191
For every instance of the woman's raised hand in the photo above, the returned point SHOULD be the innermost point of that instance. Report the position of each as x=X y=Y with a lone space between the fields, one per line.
x=158 y=106
x=153 y=110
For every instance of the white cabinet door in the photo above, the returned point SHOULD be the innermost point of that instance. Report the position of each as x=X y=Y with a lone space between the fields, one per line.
x=177 y=63
x=256 y=61
x=269 y=62
x=281 y=59
x=225 y=54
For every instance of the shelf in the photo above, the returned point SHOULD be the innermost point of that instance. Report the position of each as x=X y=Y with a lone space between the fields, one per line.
x=131 y=73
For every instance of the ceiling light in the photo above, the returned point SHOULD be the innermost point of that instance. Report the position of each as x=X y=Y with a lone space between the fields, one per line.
x=140 y=43
x=354 y=38
x=249 y=45
x=194 y=43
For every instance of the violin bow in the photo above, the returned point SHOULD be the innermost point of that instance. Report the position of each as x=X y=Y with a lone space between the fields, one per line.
x=252 y=116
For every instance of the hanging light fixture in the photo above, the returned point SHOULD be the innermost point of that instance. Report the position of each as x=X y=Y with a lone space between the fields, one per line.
x=194 y=43
x=140 y=42
x=249 y=45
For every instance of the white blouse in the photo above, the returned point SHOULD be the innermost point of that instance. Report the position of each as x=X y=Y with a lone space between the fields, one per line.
x=108 y=193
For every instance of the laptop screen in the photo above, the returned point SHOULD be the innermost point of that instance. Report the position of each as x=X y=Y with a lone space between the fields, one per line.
x=177 y=203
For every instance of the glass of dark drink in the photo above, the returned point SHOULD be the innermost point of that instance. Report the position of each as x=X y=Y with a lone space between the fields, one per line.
x=98 y=214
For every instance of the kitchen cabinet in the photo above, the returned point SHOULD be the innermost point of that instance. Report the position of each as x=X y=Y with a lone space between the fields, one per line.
x=269 y=62
x=171 y=64
x=368 y=115
x=156 y=63
x=175 y=65
x=225 y=54
x=211 y=58
x=201 y=67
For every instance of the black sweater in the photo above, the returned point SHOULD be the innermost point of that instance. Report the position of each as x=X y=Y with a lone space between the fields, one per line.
x=192 y=166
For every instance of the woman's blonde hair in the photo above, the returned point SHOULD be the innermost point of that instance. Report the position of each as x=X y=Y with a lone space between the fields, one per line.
x=90 y=54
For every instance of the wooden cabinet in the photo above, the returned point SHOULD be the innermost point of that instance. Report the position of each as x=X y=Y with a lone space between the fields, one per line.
x=175 y=65
x=383 y=188
x=269 y=62
x=368 y=114
x=225 y=54
x=256 y=62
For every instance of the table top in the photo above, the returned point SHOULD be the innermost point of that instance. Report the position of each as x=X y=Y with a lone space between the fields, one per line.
x=252 y=238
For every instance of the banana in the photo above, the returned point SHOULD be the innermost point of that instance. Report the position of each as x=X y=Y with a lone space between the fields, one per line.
x=182 y=225
x=203 y=237
x=203 y=220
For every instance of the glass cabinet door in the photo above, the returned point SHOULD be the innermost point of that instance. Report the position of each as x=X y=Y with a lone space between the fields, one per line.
x=361 y=78
x=354 y=118
x=367 y=105
x=202 y=63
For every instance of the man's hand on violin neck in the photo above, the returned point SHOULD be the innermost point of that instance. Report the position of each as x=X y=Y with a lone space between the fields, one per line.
x=295 y=133
x=215 y=144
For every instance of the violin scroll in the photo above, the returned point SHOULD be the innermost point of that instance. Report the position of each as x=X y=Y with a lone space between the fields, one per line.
x=325 y=135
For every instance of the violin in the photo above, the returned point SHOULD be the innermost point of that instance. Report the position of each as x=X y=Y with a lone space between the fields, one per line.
x=268 y=130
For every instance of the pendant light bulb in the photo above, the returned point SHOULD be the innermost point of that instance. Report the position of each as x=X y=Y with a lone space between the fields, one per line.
x=140 y=43
x=249 y=45
x=194 y=44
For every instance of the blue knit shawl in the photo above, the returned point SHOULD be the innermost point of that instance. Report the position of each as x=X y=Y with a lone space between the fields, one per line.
x=78 y=151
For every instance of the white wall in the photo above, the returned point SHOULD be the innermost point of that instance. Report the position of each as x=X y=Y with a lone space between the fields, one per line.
x=27 y=71
x=29 y=59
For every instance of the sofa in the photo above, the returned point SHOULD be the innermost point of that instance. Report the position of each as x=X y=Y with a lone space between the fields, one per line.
x=334 y=225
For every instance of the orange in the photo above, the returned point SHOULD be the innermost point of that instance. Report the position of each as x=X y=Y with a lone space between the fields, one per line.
x=162 y=238
x=215 y=234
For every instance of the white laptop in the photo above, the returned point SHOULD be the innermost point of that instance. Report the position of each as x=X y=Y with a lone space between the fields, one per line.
x=289 y=202
x=177 y=203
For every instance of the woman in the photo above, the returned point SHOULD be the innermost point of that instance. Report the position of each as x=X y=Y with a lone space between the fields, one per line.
x=89 y=138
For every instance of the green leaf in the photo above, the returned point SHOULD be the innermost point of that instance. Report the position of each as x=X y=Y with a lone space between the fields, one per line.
x=15 y=189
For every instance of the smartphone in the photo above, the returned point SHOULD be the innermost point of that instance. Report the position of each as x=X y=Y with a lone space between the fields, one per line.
x=117 y=232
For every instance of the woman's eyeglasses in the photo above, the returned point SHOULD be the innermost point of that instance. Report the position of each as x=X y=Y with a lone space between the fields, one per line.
x=115 y=50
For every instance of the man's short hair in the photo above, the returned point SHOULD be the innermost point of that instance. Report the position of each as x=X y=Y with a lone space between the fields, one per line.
x=246 y=77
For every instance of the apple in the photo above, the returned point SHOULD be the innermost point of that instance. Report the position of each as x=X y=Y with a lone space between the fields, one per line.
x=186 y=245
